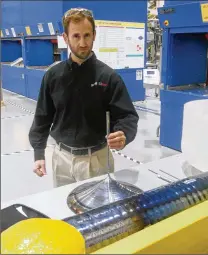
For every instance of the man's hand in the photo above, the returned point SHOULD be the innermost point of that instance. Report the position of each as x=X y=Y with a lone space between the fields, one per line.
x=116 y=140
x=40 y=168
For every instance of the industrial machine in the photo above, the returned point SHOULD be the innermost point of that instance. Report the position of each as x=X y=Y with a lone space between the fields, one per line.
x=31 y=41
x=108 y=224
x=171 y=219
x=184 y=75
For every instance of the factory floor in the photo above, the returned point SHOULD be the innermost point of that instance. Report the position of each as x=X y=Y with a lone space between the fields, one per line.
x=17 y=177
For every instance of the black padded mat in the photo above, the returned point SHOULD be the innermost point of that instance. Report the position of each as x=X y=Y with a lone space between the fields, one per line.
x=17 y=212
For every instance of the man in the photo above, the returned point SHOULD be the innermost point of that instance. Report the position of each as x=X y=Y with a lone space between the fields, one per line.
x=74 y=97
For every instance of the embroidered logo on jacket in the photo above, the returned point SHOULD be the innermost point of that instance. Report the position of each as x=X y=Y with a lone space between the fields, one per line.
x=99 y=83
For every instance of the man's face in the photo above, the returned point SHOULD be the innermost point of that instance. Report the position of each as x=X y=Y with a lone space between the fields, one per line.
x=80 y=38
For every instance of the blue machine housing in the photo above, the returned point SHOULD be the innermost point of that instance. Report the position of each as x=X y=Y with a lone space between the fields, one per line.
x=36 y=47
x=184 y=63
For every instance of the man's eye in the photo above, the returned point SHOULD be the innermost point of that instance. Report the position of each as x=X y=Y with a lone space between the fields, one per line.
x=76 y=36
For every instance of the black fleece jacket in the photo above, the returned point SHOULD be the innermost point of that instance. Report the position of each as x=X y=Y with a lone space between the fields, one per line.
x=72 y=105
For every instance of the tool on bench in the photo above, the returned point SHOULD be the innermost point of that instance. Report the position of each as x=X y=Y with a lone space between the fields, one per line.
x=95 y=194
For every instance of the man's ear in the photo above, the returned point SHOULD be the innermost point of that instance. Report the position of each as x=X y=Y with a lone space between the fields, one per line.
x=65 y=38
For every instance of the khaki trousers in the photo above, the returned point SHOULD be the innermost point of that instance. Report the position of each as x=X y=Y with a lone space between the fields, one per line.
x=69 y=168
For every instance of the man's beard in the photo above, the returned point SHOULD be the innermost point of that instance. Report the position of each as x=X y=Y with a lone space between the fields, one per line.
x=83 y=57
x=80 y=56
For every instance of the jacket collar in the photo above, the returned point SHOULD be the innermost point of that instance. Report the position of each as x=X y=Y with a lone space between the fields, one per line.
x=89 y=61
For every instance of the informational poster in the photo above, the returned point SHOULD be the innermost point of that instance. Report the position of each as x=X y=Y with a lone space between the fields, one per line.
x=13 y=32
x=28 y=31
x=51 y=29
x=40 y=27
x=7 y=31
x=120 y=44
x=204 y=11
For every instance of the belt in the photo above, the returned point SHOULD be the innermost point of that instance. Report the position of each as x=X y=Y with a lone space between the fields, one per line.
x=81 y=151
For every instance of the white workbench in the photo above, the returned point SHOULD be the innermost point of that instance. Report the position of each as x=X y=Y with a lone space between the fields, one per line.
x=53 y=202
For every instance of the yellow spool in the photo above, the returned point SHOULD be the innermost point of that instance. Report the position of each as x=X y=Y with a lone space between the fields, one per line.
x=42 y=236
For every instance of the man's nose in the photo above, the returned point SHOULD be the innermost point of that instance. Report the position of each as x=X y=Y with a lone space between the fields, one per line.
x=82 y=42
